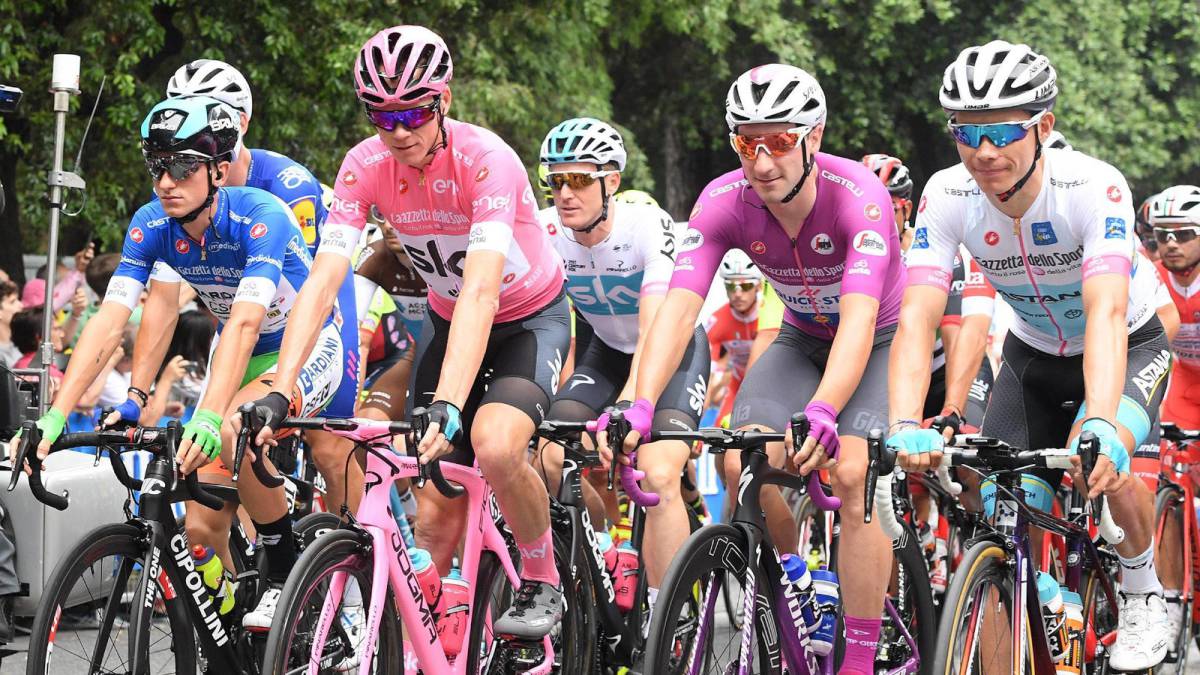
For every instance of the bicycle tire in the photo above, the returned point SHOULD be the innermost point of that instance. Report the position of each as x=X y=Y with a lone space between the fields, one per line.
x=339 y=550
x=919 y=613
x=575 y=647
x=1172 y=498
x=309 y=528
x=985 y=562
x=123 y=540
x=719 y=550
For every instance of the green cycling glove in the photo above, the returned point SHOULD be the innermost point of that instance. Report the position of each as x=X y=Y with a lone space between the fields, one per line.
x=204 y=430
x=51 y=425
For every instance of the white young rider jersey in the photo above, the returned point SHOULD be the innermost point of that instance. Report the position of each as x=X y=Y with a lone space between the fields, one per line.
x=1079 y=225
x=606 y=281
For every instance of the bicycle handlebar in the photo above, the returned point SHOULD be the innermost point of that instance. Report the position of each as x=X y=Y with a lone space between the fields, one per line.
x=1171 y=432
x=249 y=414
x=364 y=430
x=618 y=429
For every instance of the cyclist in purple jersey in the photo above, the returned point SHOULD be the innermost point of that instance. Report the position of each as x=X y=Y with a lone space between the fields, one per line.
x=818 y=227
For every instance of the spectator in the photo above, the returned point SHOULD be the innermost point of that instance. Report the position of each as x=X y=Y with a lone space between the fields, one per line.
x=10 y=304
x=116 y=384
x=27 y=337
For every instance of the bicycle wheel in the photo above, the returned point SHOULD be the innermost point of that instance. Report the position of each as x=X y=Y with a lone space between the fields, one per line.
x=1167 y=505
x=575 y=639
x=686 y=634
x=290 y=647
x=312 y=526
x=974 y=634
x=83 y=618
x=912 y=598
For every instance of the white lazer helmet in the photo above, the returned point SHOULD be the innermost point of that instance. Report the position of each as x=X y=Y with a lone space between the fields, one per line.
x=216 y=79
x=775 y=92
x=1176 y=205
x=583 y=139
x=737 y=265
x=999 y=76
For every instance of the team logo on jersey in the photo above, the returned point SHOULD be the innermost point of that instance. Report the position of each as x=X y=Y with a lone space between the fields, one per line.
x=758 y=247
x=258 y=230
x=1114 y=193
x=1043 y=234
x=182 y=247
x=696 y=210
x=1114 y=228
x=872 y=212
x=349 y=178
x=508 y=278
x=921 y=238
x=869 y=242
x=991 y=238
x=921 y=206
x=1073 y=313
x=136 y=235
x=402 y=187
x=821 y=243
x=551 y=229
x=482 y=175
x=692 y=240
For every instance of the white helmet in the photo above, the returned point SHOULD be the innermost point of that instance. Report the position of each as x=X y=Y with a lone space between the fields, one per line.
x=583 y=139
x=999 y=76
x=217 y=79
x=737 y=265
x=1176 y=206
x=775 y=93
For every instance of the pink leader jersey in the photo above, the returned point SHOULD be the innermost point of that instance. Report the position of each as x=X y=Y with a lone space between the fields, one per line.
x=473 y=196
x=848 y=244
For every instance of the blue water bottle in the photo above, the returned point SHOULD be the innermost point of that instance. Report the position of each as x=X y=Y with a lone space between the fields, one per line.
x=825 y=586
x=801 y=582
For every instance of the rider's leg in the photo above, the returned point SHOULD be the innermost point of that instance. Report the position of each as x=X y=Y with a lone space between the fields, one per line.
x=609 y=504
x=667 y=523
x=209 y=528
x=333 y=456
x=500 y=434
x=450 y=516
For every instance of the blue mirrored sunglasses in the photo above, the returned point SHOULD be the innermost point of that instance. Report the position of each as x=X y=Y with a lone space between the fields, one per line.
x=1000 y=134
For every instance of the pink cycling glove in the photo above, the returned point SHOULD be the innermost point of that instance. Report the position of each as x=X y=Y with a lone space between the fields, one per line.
x=822 y=420
x=640 y=416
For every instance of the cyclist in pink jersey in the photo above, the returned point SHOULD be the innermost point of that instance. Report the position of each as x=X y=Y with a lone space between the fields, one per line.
x=818 y=228
x=462 y=205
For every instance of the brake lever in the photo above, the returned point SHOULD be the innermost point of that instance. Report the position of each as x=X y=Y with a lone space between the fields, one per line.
x=1088 y=447
x=874 y=450
x=419 y=427
x=618 y=429
x=800 y=428
x=31 y=436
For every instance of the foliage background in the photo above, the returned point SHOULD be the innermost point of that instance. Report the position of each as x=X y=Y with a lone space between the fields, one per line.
x=1128 y=74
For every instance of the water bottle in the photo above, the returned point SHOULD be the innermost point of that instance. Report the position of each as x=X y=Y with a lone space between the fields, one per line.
x=209 y=565
x=456 y=598
x=605 y=542
x=1054 y=614
x=427 y=578
x=625 y=576
x=400 y=515
x=801 y=582
x=1072 y=664
x=825 y=587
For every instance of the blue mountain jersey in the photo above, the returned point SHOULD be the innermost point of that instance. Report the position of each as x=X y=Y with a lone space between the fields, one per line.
x=253 y=251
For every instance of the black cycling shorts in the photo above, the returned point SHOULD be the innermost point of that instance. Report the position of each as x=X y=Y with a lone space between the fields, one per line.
x=977 y=396
x=601 y=373
x=1038 y=396
x=785 y=377
x=520 y=367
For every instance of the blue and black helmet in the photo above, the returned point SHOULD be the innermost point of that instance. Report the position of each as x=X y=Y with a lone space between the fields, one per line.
x=583 y=139
x=196 y=125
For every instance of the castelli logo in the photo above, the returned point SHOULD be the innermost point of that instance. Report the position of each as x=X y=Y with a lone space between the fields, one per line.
x=349 y=178
x=1114 y=193
x=258 y=230
x=136 y=235
x=991 y=238
x=508 y=278
x=696 y=210
x=921 y=206
x=552 y=229
x=758 y=247
x=482 y=175
x=182 y=246
x=403 y=186
x=872 y=211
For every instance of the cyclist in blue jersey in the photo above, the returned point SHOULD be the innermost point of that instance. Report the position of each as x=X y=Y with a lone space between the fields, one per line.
x=244 y=254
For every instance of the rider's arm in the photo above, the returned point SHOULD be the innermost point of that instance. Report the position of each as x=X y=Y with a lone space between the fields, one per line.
x=667 y=342
x=160 y=313
x=474 y=311
x=1168 y=314
x=228 y=368
x=657 y=245
x=965 y=353
x=1104 y=343
x=648 y=306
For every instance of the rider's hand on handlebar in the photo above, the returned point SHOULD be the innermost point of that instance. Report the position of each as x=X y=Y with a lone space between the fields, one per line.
x=1111 y=473
x=439 y=416
x=270 y=409
x=819 y=450
x=129 y=411
x=51 y=425
x=1104 y=479
x=201 y=441
x=918 y=449
x=639 y=415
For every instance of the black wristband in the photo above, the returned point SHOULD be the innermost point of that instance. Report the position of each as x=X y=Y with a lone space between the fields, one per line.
x=140 y=394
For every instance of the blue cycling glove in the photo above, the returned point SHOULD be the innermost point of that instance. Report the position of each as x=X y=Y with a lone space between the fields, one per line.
x=915 y=441
x=130 y=411
x=1110 y=443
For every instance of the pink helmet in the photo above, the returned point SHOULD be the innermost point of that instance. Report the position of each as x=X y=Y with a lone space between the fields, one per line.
x=402 y=64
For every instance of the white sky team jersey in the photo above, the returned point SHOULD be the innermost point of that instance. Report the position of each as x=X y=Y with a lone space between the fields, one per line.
x=605 y=281
x=1080 y=225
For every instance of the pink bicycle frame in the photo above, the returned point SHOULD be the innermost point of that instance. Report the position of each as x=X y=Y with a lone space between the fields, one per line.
x=391 y=562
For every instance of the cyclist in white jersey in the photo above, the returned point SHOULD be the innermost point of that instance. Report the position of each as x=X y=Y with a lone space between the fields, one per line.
x=619 y=258
x=1053 y=232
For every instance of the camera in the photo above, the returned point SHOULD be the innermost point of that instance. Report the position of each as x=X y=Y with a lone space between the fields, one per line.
x=10 y=98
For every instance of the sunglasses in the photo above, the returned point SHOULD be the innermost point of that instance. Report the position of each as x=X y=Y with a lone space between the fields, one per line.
x=776 y=144
x=411 y=119
x=1000 y=133
x=576 y=180
x=740 y=286
x=1182 y=234
x=179 y=166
